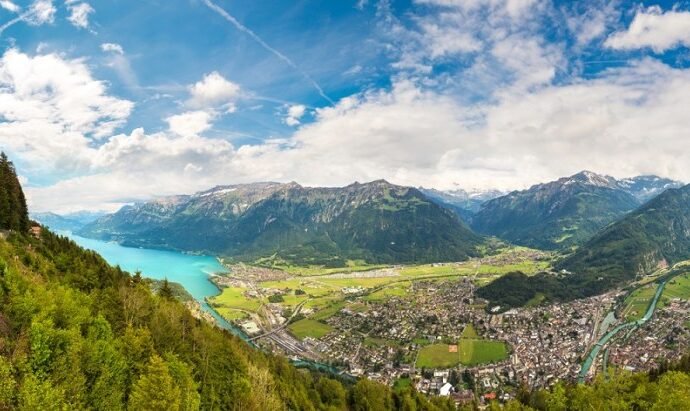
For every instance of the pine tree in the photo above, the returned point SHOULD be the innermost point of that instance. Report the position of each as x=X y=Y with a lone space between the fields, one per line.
x=166 y=290
x=14 y=214
x=155 y=390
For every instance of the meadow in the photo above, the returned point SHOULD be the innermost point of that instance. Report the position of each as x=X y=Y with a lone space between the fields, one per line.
x=637 y=303
x=470 y=352
x=309 y=328
x=678 y=287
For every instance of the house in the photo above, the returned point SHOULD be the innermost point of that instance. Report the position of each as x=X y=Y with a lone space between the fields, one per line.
x=445 y=390
x=35 y=231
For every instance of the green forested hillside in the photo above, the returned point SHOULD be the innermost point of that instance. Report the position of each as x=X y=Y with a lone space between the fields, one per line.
x=657 y=234
x=665 y=389
x=78 y=334
x=376 y=222
x=555 y=215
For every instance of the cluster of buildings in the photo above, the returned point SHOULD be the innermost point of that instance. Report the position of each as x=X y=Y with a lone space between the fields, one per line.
x=547 y=344
x=665 y=337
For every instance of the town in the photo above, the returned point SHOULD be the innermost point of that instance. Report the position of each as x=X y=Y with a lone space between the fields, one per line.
x=436 y=335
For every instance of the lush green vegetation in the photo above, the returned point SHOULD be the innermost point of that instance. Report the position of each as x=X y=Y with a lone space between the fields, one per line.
x=469 y=332
x=655 y=234
x=76 y=333
x=667 y=388
x=678 y=287
x=13 y=211
x=309 y=328
x=437 y=356
x=638 y=301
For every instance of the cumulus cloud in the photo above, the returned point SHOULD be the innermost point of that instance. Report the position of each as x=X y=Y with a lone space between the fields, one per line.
x=52 y=109
x=531 y=126
x=79 y=13
x=294 y=114
x=191 y=123
x=214 y=91
x=416 y=137
x=494 y=43
x=654 y=28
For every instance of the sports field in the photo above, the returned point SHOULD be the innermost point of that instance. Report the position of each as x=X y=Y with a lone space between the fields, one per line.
x=309 y=328
x=474 y=352
x=469 y=352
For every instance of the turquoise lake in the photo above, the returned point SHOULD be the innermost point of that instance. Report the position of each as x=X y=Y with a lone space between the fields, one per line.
x=192 y=271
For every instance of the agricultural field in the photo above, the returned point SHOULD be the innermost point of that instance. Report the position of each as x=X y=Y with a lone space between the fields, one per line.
x=309 y=328
x=232 y=304
x=437 y=356
x=324 y=291
x=638 y=301
x=678 y=287
x=469 y=332
x=395 y=290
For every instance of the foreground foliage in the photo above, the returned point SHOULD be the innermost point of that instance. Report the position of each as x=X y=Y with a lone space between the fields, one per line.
x=76 y=333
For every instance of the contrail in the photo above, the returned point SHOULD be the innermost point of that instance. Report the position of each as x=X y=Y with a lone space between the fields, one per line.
x=227 y=16
x=12 y=22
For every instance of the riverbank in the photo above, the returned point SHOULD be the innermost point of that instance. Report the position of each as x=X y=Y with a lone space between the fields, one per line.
x=594 y=353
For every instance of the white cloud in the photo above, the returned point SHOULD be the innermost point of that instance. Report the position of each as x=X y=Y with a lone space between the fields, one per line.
x=80 y=12
x=112 y=48
x=294 y=114
x=9 y=6
x=590 y=21
x=52 y=110
x=40 y=12
x=191 y=123
x=421 y=131
x=655 y=29
x=415 y=137
x=214 y=91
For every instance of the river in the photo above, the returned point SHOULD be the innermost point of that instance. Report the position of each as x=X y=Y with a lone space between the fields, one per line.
x=633 y=324
x=192 y=271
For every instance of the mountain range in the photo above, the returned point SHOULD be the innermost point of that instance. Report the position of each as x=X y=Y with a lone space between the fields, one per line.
x=565 y=212
x=656 y=235
x=377 y=222
x=464 y=203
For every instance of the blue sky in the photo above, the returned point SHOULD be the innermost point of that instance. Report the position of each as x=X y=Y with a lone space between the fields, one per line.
x=107 y=102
